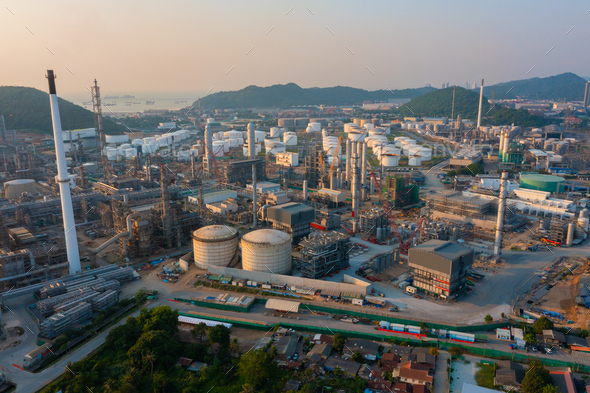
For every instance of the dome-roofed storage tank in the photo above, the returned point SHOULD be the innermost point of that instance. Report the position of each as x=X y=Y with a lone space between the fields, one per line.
x=267 y=250
x=14 y=188
x=214 y=245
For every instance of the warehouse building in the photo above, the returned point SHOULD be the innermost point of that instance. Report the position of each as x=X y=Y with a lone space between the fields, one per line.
x=293 y=218
x=440 y=267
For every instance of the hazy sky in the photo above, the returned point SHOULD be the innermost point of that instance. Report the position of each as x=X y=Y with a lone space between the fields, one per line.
x=189 y=46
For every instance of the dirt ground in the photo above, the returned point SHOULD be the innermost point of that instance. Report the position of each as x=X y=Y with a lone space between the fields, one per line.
x=562 y=297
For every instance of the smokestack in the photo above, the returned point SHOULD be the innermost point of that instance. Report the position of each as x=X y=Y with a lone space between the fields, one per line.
x=348 y=159
x=64 y=181
x=500 y=222
x=480 y=102
x=304 y=190
x=251 y=140
x=500 y=146
x=355 y=188
x=254 y=192
x=505 y=148
x=571 y=228
x=208 y=148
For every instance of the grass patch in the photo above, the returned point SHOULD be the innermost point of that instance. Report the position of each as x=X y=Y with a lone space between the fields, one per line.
x=484 y=376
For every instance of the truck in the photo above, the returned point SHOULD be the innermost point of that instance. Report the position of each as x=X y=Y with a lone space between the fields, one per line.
x=375 y=300
x=357 y=302
x=411 y=289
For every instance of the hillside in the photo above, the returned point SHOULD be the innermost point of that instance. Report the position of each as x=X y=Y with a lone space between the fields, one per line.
x=568 y=87
x=439 y=104
x=290 y=94
x=27 y=109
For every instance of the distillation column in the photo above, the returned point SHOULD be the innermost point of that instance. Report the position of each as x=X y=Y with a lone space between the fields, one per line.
x=501 y=209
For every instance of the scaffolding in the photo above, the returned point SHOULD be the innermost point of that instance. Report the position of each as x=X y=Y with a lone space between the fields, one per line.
x=456 y=203
x=402 y=191
x=323 y=254
x=315 y=168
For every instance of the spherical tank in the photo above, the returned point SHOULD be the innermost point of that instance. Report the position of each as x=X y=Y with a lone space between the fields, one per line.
x=267 y=250
x=214 y=245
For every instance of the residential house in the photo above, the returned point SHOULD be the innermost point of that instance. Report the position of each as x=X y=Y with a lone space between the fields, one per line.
x=425 y=358
x=380 y=386
x=402 y=387
x=323 y=350
x=509 y=375
x=292 y=385
x=390 y=361
x=348 y=367
x=400 y=350
x=184 y=362
x=364 y=372
x=576 y=343
x=421 y=389
x=321 y=339
x=369 y=349
x=564 y=381
x=553 y=337
x=414 y=373
x=196 y=366
x=287 y=345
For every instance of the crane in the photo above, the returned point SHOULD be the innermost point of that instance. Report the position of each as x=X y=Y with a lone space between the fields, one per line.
x=335 y=155
x=214 y=162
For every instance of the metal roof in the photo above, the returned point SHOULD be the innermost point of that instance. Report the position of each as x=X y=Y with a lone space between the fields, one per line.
x=267 y=236
x=215 y=233
x=196 y=321
x=282 y=305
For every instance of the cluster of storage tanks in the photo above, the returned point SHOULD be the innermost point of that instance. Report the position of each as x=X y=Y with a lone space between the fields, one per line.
x=263 y=250
x=147 y=145
x=276 y=141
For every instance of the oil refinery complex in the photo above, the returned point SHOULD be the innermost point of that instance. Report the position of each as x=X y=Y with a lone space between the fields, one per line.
x=411 y=215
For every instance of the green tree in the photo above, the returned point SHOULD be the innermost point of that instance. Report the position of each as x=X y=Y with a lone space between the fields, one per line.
x=219 y=334
x=151 y=358
x=530 y=338
x=164 y=349
x=159 y=318
x=338 y=342
x=247 y=388
x=541 y=324
x=234 y=346
x=199 y=331
x=536 y=378
x=488 y=318
x=550 y=389
x=357 y=357
x=423 y=326
x=433 y=351
x=257 y=368
x=456 y=351
x=109 y=386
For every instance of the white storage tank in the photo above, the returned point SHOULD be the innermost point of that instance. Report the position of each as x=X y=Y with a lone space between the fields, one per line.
x=214 y=245
x=218 y=148
x=259 y=135
x=415 y=161
x=316 y=127
x=274 y=132
x=270 y=140
x=184 y=155
x=356 y=136
x=275 y=147
x=130 y=153
x=137 y=142
x=233 y=142
x=234 y=134
x=369 y=126
x=389 y=160
x=240 y=141
x=13 y=189
x=267 y=250
x=111 y=153
x=290 y=139
x=347 y=127
x=426 y=153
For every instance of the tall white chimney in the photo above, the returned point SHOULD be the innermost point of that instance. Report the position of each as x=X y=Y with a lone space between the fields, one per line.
x=501 y=209
x=348 y=160
x=501 y=146
x=480 y=102
x=64 y=181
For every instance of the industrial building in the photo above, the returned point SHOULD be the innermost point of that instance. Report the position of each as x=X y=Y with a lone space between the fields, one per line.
x=323 y=254
x=440 y=267
x=293 y=218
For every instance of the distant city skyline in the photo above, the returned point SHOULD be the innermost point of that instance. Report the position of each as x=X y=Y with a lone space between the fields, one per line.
x=188 y=49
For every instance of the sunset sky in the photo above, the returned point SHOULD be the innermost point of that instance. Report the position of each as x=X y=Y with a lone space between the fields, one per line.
x=189 y=46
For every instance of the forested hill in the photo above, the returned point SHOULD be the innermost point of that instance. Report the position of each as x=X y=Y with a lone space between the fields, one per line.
x=27 y=109
x=567 y=86
x=440 y=104
x=288 y=95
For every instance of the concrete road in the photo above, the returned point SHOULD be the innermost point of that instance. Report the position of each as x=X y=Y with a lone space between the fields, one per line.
x=440 y=378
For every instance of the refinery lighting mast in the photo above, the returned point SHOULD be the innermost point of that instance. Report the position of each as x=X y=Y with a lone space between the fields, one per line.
x=63 y=180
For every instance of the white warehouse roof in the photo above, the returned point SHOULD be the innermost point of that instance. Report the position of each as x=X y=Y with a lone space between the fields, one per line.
x=282 y=305
x=196 y=321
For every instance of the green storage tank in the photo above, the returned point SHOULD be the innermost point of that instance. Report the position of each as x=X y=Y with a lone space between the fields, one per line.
x=539 y=182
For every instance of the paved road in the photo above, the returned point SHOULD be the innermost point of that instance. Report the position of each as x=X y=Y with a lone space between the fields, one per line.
x=441 y=376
